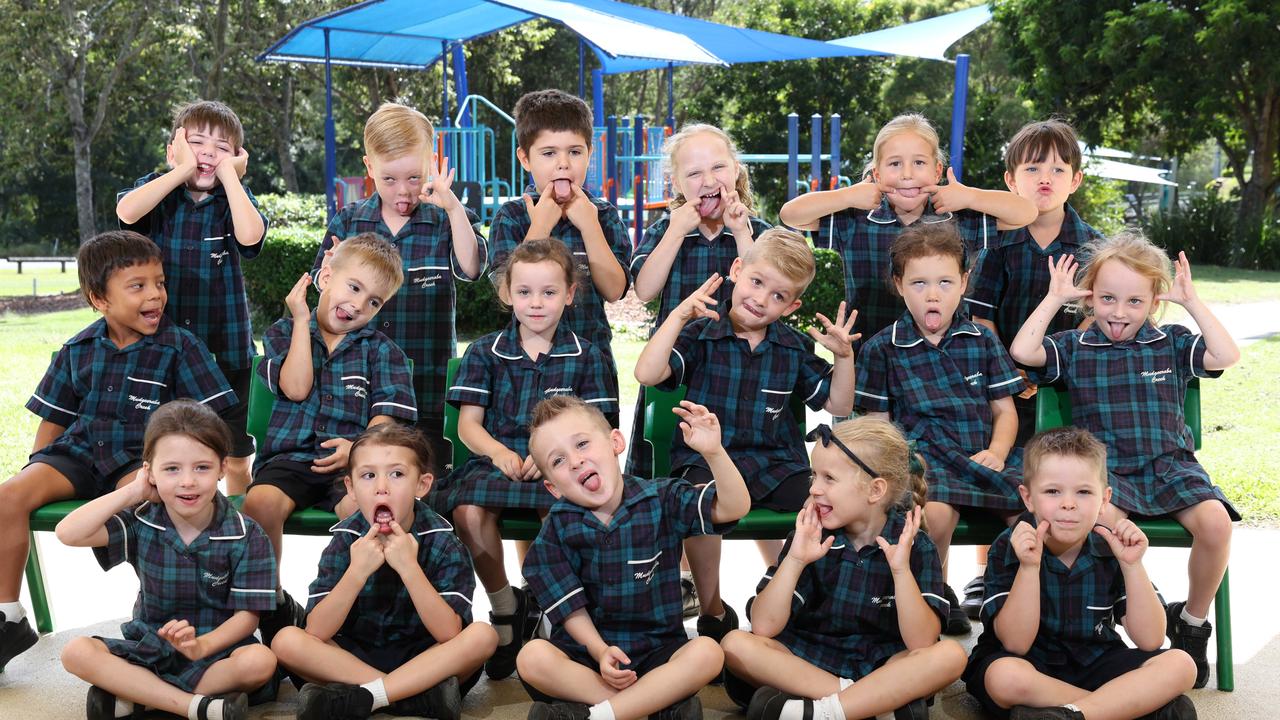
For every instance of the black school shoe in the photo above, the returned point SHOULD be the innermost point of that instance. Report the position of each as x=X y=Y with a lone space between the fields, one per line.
x=235 y=706
x=1190 y=639
x=559 y=711
x=101 y=705
x=957 y=622
x=335 y=701
x=1179 y=708
x=503 y=661
x=1022 y=712
x=914 y=710
x=287 y=613
x=443 y=701
x=972 y=603
x=716 y=628
x=16 y=638
x=689 y=708
x=767 y=702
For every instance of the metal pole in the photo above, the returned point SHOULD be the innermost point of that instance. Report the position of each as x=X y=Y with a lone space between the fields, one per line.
x=611 y=158
x=637 y=178
x=330 y=148
x=582 y=60
x=835 y=151
x=597 y=95
x=959 y=102
x=793 y=153
x=444 y=82
x=671 y=96
x=815 y=151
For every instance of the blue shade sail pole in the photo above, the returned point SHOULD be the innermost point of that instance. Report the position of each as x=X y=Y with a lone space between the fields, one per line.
x=330 y=142
x=793 y=153
x=444 y=83
x=582 y=61
x=611 y=158
x=597 y=96
x=835 y=151
x=815 y=152
x=637 y=179
x=671 y=96
x=959 y=102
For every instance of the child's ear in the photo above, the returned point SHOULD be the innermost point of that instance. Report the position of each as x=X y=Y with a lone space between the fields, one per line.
x=523 y=157
x=551 y=488
x=794 y=306
x=1025 y=494
x=618 y=440
x=322 y=277
x=346 y=481
x=735 y=270
x=964 y=282
x=568 y=296
x=879 y=488
x=1076 y=180
x=1008 y=182
x=424 y=484
x=98 y=302
x=368 y=166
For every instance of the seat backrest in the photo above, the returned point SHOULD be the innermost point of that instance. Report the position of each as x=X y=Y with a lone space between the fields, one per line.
x=460 y=451
x=1053 y=409
x=261 y=401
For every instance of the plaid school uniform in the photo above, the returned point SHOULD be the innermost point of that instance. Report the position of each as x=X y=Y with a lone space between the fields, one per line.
x=498 y=376
x=383 y=613
x=750 y=392
x=843 y=615
x=227 y=568
x=103 y=394
x=1131 y=395
x=941 y=397
x=863 y=240
x=365 y=376
x=202 y=268
x=420 y=316
x=626 y=574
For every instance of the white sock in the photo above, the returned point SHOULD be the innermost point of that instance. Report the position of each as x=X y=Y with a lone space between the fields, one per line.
x=603 y=711
x=123 y=707
x=1190 y=619
x=13 y=611
x=845 y=683
x=793 y=710
x=379 y=692
x=213 y=712
x=828 y=708
x=504 y=603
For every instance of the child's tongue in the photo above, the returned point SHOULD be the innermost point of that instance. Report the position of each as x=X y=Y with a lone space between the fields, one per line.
x=563 y=190
x=592 y=483
x=908 y=192
x=932 y=321
x=383 y=518
x=404 y=207
x=707 y=205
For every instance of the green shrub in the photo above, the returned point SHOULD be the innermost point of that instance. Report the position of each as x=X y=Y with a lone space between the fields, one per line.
x=1204 y=229
x=1101 y=204
x=290 y=210
x=1264 y=253
x=824 y=294
x=479 y=310
x=268 y=278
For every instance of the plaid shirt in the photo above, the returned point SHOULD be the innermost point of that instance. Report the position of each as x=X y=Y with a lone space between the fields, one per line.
x=1079 y=605
x=843 y=616
x=366 y=376
x=202 y=268
x=626 y=575
x=1012 y=277
x=384 y=613
x=941 y=396
x=697 y=259
x=420 y=316
x=863 y=239
x=103 y=395
x=750 y=392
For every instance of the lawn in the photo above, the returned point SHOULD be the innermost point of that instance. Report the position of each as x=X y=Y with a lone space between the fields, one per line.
x=49 y=279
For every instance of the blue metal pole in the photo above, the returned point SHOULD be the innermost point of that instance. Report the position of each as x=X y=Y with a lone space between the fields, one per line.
x=793 y=153
x=611 y=158
x=444 y=83
x=597 y=96
x=582 y=60
x=671 y=96
x=959 y=102
x=835 y=151
x=637 y=179
x=330 y=142
x=815 y=151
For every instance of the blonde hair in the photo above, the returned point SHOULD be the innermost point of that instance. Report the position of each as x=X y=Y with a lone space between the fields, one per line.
x=557 y=405
x=786 y=251
x=374 y=252
x=671 y=146
x=907 y=123
x=1136 y=252
x=881 y=445
x=1069 y=441
x=394 y=130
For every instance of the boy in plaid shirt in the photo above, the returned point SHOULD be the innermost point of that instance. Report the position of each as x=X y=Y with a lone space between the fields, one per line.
x=389 y=616
x=205 y=220
x=94 y=401
x=333 y=375
x=606 y=566
x=1057 y=583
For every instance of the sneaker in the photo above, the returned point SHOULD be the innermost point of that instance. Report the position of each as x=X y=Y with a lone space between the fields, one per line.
x=914 y=710
x=559 y=711
x=689 y=708
x=689 y=595
x=957 y=622
x=235 y=706
x=767 y=702
x=442 y=701
x=972 y=603
x=716 y=628
x=287 y=613
x=335 y=701
x=101 y=705
x=1179 y=708
x=16 y=638
x=503 y=661
x=1190 y=639
x=1022 y=712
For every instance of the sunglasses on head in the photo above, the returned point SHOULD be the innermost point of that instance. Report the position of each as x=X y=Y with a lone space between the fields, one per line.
x=824 y=434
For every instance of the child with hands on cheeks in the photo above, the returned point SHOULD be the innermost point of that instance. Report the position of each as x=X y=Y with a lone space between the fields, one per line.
x=846 y=622
x=1127 y=380
x=206 y=572
x=606 y=567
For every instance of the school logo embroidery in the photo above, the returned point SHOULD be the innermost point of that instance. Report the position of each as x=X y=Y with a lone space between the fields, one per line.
x=215 y=580
x=1157 y=375
x=558 y=391
x=647 y=574
x=973 y=379
x=427 y=281
x=143 y=403
x=217 y=257
x=357 y=390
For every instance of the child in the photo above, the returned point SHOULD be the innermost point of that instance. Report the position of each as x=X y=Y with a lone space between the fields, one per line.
x=333 y=375
x=503 y=376
x=554 y=131
x=948 y=383
x=205 y=570
x=606 y=567
x=1057 y=582
x=438 y=240
x=1127 y=380
x=710 y=224
x=390 y=611
x=861 y=221
x=205 y=220
x=846 y=624
x=94 y=401
x=745 y=365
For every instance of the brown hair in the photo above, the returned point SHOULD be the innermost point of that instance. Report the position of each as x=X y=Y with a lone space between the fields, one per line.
x=1034 y=142
x=1069 y=441
x=557 y=405
x=551 y=110
x=103 y=254
x=671 y=146
x=212 y=115
x=786 y=251
x=395 y=130
x=189 y=418
x=1137 y=253
x=393 y=434
x=881 y=445
x=921 y=241
x=373 y=251
x=907 y=123
x=538 y=250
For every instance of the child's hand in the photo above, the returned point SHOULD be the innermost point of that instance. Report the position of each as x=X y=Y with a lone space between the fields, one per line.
x=400 y=549
x=899 y=555
x=335 y=462
x=1182 y=291
x=736 y=217
x=182 y=636
x=950 y=197
x=439 y=191
x=368 y=553
x=685 y=219
x=836 y=336
x=700 y=427
x=529 y=470
x=143 y=489
x=617 y=678
x=1028 y=542
x=544 y=214
x=238 y=164
x=700 y=302
x=1062 y=280
x=868 y=194
x=296 y=300
x=510 y=463
x=807 y=544
x=179 y=154
x=581 y=211
x=986 y=458
x=1128 y=543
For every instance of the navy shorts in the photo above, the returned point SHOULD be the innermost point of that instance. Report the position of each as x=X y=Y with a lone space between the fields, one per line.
x=654 y=659
x=789 y=496
x=305 y=487
x=387 y=657
x=86 y=481
x=237 y=416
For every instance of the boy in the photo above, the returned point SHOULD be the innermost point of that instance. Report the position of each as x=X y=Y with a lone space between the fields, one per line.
x=391 y=608
x=745 y=365
x=205 y=220
x=333 y=375
x=94 y=401
x=438 y=240
x=554 y=131
x=1057 y=582
x=607 y=568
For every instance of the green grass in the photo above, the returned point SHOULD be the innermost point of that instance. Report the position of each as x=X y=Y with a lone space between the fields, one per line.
x=50 y=280
x=1230 y=285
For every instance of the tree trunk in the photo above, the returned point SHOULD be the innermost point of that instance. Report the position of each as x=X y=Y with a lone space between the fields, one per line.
x=1258 y=193
x=284 y=134
x=82 y=146
x=213 y=81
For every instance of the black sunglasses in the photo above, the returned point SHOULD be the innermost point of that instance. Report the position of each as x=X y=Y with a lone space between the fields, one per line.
x=823 y=432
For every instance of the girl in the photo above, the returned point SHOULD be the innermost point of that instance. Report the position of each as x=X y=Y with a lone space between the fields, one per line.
x=900 y=189
x=846 y=624
x=1127 y=380
x=949 y=383
x=206 y=571
x=502 y=377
